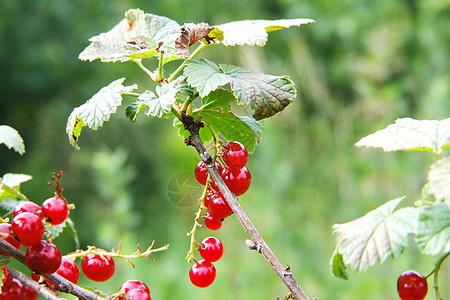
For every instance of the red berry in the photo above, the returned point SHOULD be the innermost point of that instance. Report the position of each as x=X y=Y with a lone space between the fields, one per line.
x=238 y=181
x=411 y=285
x=43 y=258
x=29 y=292
x=28 y=228
x=69 y=270
x=98 y=267
x=55 y=210
x=235 y=155
x=4 y=273
x=6 y=234
x=138 y=294
x=133 y=285
x=202 y=273
x=212 y=222
x=211 y=249
x=12 y=290
x=30 y=207
x=201 y=173
x=219 y=207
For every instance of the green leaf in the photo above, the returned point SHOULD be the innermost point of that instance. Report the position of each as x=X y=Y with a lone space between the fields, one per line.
x=4 y=260
x=219 y=99
x=373 y=238
x=139 y=35
x=10 y=194
x=433 y=229
x=252 y=32
x=14 y=180
x=410 y=134
x=439 y=179
x=12 y=139
x=96 y=110
x=337 y=265
x=54 y=231
x=266 y=94
x=70 y=227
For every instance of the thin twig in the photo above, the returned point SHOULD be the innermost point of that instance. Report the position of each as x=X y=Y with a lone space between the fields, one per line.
x=194 y=140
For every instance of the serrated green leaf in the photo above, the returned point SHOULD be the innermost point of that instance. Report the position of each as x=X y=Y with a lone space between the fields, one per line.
x=410 y=134
x=10 y=194
x=204 y=75
x=53 y=231
x=96 y=110
x=439 y=179
x=373 y=238
x=132 y=110
x=14 y=180
x=219 y=99
x=12 y=139
x=253 y=32
x=70 y=227
x=433 y=229
x=337 y=266
x=4 y=260
x=139 y=35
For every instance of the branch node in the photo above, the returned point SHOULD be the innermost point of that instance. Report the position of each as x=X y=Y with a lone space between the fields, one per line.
x=253 y=246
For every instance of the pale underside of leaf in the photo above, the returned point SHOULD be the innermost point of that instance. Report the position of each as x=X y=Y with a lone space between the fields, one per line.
x=433 y=230
x=254 y=32
x=411 y=134
x=139 y=35
x=14 y=180
x=439 y=179
x=375 y=237
x=11 y=139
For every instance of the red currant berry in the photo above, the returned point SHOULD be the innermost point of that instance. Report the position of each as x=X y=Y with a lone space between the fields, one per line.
x=219 y=207
x=238 y=181
x=411 y=285
x=202 y=273
x=201 y=173
x=138 y=294
x=211 y=249
x=98 y=267
x=132 y=285
x=212 y=222
x=235 y=155
x=6 y=234
x=55 y=210
x=4 y=273
x=69 y=270
x=12 y=290
x=29 y=292
x=28 y=228
x=43 y=258
x=30 y=207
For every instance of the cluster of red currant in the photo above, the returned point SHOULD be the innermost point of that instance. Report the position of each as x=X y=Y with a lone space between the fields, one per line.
x=412 y=285
x=237 y=178
x=13 y=289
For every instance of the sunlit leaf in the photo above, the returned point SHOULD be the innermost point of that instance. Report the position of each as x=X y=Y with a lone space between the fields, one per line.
x=433 y=229
x=439 y=179
x=96 y=110
x=375 y=237
x=411 y=134
x=14 y=180
x=337 y=265
x=12 y=139
x=205 y=76
x=139 y=35
x=253 y=32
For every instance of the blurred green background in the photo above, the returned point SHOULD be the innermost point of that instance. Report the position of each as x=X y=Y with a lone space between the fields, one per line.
x=362 y=65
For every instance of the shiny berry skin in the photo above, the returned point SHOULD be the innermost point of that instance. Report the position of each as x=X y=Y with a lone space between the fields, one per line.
x=212 y=222
x=5 y=229
x=411 y=285
x=29 y=292
x=201 y=173
x=28 y=228
x=69 y=270
x=97 y=267
x=12 y=290
x=202 y=274
x=235 y=155
x=211 y=249
x=55 y=210
x=238 y=181
x=132 y=285
x=30 y=207
x=137 y=294
x=219 y=207
x=43 y=258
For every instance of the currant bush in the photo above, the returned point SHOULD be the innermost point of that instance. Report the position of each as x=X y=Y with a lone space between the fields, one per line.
x=28 y=228
x=43 y=258
x=412 y=285
x=202 y=273
x=98 y=267
x=211 y=249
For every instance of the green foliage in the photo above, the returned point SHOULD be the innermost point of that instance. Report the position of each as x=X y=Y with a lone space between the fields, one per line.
x=12 y=139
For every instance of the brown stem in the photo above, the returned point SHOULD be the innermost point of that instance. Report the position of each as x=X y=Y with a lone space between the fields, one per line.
x=64 y=285
x=259 y=244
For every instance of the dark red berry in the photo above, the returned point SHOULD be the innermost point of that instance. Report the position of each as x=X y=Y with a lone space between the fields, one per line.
x=43 y=258
x=235 y=155
x=98 y=267
x=219 y=207
x=238 y=181
x=212 y=222
x=411 y=285
x=201 y=173
x=12 y=290
x=69 y=270
x=202 y=273
x=211 y=249
x=55 y=210
x=30 y=207
x=7 y=235
x=28 y=228
x=29 y=292
x=132 y=285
